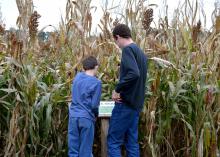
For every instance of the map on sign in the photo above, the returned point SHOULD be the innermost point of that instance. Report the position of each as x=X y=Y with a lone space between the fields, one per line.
x=105 y=108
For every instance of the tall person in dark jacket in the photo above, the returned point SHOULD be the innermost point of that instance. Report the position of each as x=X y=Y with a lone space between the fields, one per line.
x=128 y=96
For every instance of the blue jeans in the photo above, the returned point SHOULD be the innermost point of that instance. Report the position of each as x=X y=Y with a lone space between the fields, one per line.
x=123 y=129
x=80 y=137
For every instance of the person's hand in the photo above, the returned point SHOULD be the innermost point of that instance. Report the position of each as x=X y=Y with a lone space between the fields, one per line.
x=116 y=96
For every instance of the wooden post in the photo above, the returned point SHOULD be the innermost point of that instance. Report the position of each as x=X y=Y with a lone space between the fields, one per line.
x=104 y=133
x=105 y=112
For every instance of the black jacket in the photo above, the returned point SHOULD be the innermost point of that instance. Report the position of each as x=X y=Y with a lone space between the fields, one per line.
x=133 y=73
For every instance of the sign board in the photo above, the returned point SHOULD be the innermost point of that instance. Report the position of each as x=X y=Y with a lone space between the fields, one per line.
x=105 y=108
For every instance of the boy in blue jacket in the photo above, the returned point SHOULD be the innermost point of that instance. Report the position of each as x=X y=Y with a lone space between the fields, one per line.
x=86 y=93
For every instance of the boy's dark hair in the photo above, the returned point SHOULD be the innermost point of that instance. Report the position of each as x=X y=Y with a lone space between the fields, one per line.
x=122 y=30
x=89 y=63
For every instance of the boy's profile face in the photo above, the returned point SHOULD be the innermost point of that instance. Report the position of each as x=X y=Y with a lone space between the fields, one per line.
x=96 y=69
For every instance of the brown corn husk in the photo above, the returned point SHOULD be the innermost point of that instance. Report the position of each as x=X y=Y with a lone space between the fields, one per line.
x=147 y=19
x=195 y=31
x=33 y=24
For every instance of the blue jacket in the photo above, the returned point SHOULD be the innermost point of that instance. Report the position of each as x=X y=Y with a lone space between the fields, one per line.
x=86 y=93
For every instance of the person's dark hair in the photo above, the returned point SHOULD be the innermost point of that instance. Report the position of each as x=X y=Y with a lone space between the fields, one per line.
x=89 y=63
x=122 y=30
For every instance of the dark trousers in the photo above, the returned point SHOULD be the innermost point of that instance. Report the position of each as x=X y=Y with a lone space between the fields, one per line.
x=123 y=129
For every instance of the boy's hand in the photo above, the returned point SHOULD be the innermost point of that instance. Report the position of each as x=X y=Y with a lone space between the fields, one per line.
x=116 y=96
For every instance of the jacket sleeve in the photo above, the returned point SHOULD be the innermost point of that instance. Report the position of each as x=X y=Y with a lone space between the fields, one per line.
x=130 y=66
x=96 y=98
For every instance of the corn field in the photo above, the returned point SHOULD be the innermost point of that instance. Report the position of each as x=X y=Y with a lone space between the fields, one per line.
x=181 y=115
